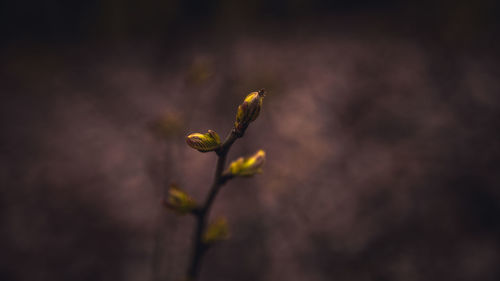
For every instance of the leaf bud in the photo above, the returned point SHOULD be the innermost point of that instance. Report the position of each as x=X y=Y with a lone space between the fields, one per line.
x=246 y=167
x=179 y=201
x=204 y=142
x=216 y=231
x=249 y=110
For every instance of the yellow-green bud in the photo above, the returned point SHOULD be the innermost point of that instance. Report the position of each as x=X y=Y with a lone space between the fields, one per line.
x=179 y=201
x=246 y=167
x=204 y=142
x=216 y=231
x=249 y=110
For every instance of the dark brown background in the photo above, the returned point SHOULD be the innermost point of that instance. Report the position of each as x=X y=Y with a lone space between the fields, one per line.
x=380 y=125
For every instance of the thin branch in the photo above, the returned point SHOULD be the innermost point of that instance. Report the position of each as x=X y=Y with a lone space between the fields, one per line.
x=202 y=214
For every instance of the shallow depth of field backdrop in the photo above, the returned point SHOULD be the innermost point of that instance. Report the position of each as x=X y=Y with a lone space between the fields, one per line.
x=381 y=127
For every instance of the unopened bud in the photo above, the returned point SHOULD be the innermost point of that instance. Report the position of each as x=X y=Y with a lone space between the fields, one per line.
x=246 y=167
x=249 y=110
x=179 y=201
x=216 y=231
x=204 y=142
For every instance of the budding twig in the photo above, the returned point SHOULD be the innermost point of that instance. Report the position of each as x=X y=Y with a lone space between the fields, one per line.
x=180 y=202
x=201 y=216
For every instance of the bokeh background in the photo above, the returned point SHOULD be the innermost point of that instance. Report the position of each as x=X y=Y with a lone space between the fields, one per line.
x=381 y=126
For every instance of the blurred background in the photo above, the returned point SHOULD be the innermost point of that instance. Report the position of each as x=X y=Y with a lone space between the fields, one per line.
x=381 y=127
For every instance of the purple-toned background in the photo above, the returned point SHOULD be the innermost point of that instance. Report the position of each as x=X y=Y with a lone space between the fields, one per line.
x=381 y=127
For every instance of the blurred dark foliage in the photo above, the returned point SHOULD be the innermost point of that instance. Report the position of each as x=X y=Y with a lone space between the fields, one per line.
x=380 y=126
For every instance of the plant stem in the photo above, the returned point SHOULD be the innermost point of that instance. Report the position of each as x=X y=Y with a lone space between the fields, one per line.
x=199 y=248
